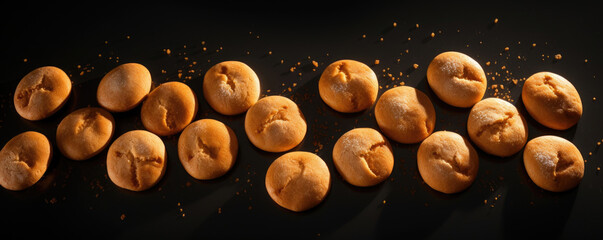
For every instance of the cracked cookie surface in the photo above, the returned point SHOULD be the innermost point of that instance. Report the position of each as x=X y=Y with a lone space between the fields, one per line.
x=207 y=149
x=447 y=162
x=275 y=124
x=169 y=108
x=553 y=163
x=348 y=86
x=231 y=87
x=41 y=93
x=23 y=160
x=298 y=180
x=363 y=157
x=136 y=160
x=496 y=127
x=84 y=133
x=405 y=114
x=552 y=100
x=457 y=79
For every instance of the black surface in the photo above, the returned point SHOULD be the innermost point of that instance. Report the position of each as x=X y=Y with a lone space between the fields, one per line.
x=76 y=199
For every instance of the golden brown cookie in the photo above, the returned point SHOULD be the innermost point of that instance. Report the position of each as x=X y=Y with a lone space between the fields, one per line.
x=405 y=114
x=275 y=124
x=496 y=127
x=169 y=108
x=231 y=87
x=298 y=181
x=207 y=149
x=447 y=162
x=24 y=160
x=363 y=157
x=136 y=160
x=42 y=92
x=124 y=87
x=348 y=86
x=552 y=100
x=84 y=133
x=457 y=79
x=553 y=163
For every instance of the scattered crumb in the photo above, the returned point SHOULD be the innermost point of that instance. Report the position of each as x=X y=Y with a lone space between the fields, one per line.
x=122 y=217
x=376 y=61
x=558 y=56
x=506 y=48
x=25 y=60
x=496 y=20
x=594 y=98
x=415 y=66
x=315 y=63
x=395 y=24
x=432 y=34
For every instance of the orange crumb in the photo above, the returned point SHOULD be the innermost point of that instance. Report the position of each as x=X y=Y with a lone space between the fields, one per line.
x=432 y=34
x=488 y=63
x=376 y=61
x=533 y=44
x=122 y=217
x=558 y=56
x=496 y=20
x=168 y=51
x=315 y=63
x=415 y=66
x=417 y=25
x=395 y=24
x=363 y=35
x=506 y=48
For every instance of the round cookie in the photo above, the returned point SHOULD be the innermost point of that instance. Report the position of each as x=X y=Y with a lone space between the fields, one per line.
x=169 y=108
x=124 y=87
x=207 y=149
x=24 y=160
x=447 y=162
x=552 y=100
x=348 y=86
x=457 y=79
x=363 y=157
x=275 y=124
x=84 y=133
x=298 y=181
x=405 y=114
x=41 y=93
x=496 y=127
x=553 y=163
x=136 y=160
x=231 y=87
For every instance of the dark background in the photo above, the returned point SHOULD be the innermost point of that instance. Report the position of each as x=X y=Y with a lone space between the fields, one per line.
x=77 y=199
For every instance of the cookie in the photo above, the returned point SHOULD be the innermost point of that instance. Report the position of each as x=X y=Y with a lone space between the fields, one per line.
x=136 y=160
x=447 y=162
x=169 y=108
x=552 y=100
x=457 y=79
x=553 y=163
x=41 y=93
x=405 y=114
x=363 y=157
x=84 y=133
x=275 y=124
x=231 y=87
x=23 y=160
x=348 y=86
x=496 y=127
x=124 y=87
x=298 y=181
x=207 y=149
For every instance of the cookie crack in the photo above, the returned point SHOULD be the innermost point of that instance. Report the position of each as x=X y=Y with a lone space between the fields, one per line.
x=19 y=158
x=203 y=149
x=229 y=80
x=562 y=164
x=290 y=179
x=453 y=163
x=168 y=119
x=344 y=72
x=136 y=162
x=88 y=120
x=465 y=75
x=278 y=115
x=368 y=157
x=497 y=125
x=24 y=97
